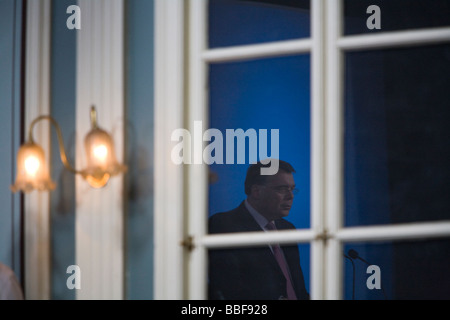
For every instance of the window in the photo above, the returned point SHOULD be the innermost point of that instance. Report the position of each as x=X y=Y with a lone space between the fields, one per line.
x=368 y=187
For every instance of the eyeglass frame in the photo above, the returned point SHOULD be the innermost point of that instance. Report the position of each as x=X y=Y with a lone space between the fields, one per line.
x=283 y=190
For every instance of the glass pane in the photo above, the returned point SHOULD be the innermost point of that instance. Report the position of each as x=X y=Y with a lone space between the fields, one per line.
x=267 y=100
x=397 y=129
x=394 y=15
x=398 y=270
x=252 y=273
x=240 y=22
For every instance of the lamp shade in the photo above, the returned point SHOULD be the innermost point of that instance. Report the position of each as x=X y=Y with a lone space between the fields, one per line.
x=32 y=170
x=101 y=159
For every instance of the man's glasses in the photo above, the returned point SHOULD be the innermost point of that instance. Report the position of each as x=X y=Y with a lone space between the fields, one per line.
x=284 y=190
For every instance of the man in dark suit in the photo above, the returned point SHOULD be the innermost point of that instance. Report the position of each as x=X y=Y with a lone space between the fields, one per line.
x=262 y=272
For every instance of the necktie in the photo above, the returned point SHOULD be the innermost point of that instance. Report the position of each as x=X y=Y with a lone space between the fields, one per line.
x=283 y=265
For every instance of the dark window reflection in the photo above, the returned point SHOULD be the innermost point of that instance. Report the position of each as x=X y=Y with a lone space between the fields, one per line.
x=396 y=15
x=407 y=269
x=252 y=273
x=264 y=273
x=397 y=130
x=242 y=22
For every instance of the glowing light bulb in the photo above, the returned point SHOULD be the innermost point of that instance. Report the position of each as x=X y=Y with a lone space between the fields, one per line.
x=100 y=153
x=32 y=165
x=101 y=160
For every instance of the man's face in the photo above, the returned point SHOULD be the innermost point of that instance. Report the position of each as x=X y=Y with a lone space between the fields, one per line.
x=274 y=198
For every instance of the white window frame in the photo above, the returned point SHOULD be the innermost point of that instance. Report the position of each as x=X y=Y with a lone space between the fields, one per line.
x=181 y=192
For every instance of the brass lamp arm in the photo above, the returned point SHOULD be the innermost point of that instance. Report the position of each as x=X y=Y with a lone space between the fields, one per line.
x=62 y=150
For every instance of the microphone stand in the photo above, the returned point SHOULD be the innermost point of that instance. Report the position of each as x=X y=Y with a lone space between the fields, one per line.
x=353 y=283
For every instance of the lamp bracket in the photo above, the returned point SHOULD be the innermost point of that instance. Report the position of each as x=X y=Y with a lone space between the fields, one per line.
x=62 y=150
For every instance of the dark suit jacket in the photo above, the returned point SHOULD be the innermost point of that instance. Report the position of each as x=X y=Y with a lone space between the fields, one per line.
x=250 y=273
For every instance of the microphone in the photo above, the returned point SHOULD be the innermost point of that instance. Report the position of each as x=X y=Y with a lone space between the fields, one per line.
x=353 y=267
x=355 y=255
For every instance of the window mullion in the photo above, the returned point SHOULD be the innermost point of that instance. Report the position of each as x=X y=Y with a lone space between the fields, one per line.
x=197 y=174
x=317 y=148
x=334 y=149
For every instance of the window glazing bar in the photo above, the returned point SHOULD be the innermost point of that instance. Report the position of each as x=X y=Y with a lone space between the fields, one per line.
x=246 y=52
x=395 y=39
x=256 y=238
x=395 y=232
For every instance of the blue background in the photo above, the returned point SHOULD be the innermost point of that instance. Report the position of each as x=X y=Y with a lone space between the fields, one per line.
x=272 y=93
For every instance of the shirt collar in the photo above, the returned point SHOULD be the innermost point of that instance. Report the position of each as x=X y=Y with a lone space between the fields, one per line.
x=260 y=219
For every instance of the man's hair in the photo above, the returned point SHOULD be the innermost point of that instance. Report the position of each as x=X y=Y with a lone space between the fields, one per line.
x=254 y=175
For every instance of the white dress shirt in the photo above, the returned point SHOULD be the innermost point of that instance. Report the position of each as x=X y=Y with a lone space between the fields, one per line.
x=260 y=219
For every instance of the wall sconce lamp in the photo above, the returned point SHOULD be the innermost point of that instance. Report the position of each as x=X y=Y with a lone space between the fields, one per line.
x=32 y=170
